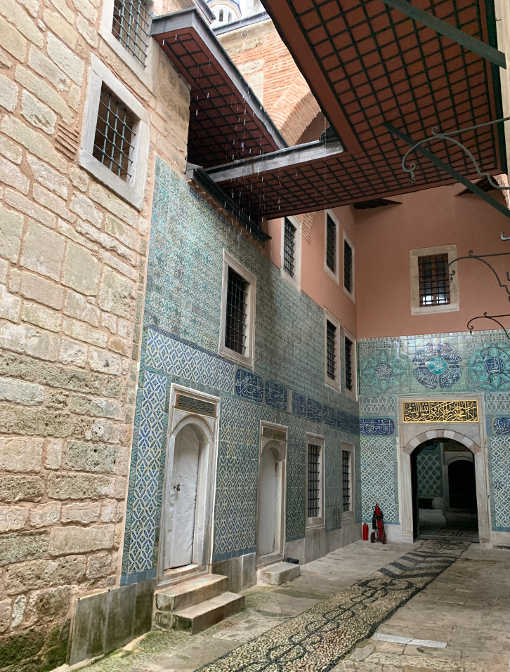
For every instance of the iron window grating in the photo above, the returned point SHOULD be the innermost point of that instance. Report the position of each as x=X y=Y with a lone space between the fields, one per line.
x=114 y=138
x=347 y=267
x=236 y=312
x=346 y=480
x=434 y=280
x=314 y=453
x=331 y=244
x=289 y=247
x=131 y=26
x=348 y=364
x=331 y=349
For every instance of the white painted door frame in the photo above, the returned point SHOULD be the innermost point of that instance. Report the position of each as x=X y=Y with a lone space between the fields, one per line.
x=207 y=428
x=470 y=434
x=279 y=448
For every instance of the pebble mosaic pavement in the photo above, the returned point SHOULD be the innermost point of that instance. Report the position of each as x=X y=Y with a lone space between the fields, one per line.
x=320 y=637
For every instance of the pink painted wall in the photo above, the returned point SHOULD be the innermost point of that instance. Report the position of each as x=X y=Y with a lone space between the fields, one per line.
x=315 y=281
x=383 y=239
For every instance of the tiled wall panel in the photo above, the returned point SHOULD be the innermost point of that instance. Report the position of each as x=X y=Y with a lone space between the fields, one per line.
x=435 y=364
x=180 y=344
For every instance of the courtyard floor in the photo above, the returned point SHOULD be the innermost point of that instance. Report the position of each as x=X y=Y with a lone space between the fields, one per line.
x=433 y=605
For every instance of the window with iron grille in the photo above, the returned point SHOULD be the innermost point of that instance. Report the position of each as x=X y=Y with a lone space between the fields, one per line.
x=289 y=247
x=434 y=280
x=349 y=380
x=348 y=279
x=236 y=313
x=131 y=26
x=314 y=481
x=331 y=243
x=331 y=349
x=346 y=480
x=114 y=137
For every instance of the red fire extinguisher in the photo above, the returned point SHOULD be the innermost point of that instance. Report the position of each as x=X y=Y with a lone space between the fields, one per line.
x=365 y=532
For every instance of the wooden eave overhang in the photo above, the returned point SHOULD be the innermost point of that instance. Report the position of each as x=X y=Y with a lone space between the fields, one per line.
x=227 y=121
x=369 y=64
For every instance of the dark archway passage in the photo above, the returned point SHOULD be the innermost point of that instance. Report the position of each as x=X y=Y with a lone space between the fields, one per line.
x=444 y=491
x=462 y=485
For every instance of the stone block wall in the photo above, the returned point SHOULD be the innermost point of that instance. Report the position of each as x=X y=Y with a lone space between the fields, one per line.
x=72 y=269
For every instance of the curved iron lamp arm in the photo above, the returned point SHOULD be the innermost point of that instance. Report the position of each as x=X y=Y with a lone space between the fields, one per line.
x=488 y=317
x=480 y=257
x=436 y=135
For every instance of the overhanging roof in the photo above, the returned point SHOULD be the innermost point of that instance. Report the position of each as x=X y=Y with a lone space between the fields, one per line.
x=368 y=64
x=227 y=121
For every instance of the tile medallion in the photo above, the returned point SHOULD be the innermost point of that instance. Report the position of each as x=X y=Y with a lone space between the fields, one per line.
x=376 y=426
x=276 y=395
x=299 y=404
x=437 y=365
x=501 y=425
x=313 y=410
x=382 y=372
x=489 y=367
x=249 y=386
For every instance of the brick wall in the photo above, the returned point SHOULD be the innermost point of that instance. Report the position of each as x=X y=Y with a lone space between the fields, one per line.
x=268 y=67
x=72 y=267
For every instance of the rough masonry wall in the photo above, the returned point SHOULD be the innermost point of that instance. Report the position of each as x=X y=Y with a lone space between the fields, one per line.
x=72 y=258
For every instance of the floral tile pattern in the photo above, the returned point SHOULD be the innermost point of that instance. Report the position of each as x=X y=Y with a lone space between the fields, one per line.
x=434 y=364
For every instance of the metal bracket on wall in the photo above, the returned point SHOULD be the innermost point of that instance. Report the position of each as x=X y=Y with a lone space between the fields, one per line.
x=482 y=257
x=447 y=30
x=488 y=317
x=417 y=146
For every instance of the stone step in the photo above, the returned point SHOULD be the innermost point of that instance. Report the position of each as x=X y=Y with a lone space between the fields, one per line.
x=279 y=573
x=189 y=593
x=201 y=616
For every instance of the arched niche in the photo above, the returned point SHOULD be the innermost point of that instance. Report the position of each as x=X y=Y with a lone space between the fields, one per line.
x=271 y=494
x=191 y=453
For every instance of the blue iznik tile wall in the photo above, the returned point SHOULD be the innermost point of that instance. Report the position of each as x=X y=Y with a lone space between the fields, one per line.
x=433 y=364
x=180 y=344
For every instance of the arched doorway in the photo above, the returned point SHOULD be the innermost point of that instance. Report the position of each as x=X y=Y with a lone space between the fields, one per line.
x=268 y=494
x=188 y=495
x=444 y=490
x=183 y=497
x=271 y=494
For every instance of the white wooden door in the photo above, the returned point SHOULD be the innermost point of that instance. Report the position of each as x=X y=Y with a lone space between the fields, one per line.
x=267 y=503
x=183 y=495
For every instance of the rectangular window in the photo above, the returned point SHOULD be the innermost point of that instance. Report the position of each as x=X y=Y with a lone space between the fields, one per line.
x=434 y=280
x=235 y=325
x=331 y=243
x=314 y=481
x=346 y=480
x=114 y=138
x=289 y=247
x=349 y=373
x=238 y=301
x=131 y=26
x=348 y=279
x=331 y=350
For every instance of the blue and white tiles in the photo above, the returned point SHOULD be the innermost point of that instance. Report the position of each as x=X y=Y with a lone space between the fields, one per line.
x=180 y=345
x=456 y=363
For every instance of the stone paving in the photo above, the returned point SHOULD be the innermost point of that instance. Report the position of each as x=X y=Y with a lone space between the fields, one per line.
x=465 y=610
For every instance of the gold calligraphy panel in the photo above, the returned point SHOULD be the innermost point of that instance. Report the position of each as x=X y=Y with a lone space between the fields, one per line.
x=440 y=411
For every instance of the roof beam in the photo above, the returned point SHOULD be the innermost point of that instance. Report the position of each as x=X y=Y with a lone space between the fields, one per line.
x=443 y=28
x=448 y=169
x=283 y=158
